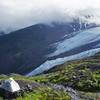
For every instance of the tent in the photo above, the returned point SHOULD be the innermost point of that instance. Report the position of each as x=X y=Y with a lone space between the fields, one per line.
x=10 y=85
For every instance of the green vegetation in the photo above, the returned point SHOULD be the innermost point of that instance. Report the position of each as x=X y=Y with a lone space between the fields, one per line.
x=40 y=91
x=45 y=93
x=82 y=75
x=89 y=96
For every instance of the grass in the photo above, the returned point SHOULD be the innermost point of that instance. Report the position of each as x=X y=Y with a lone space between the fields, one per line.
x=89 y=96
x=45 y=93
x=82 y=75
x=41 y=92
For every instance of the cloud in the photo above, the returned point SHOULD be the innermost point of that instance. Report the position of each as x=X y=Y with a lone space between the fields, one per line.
x=16 y=14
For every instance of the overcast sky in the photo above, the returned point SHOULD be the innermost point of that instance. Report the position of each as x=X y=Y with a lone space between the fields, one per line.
x=17 y=14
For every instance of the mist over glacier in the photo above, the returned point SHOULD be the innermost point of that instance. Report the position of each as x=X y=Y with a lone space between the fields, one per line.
x=47 y=33
x=17 y=14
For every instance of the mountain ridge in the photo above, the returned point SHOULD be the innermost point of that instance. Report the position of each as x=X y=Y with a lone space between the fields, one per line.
x=24 y=50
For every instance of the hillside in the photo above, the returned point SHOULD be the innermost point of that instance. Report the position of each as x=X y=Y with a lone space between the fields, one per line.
x=82 y=75
x=24 y=50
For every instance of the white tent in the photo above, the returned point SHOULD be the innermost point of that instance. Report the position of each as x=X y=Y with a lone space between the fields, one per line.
x=10 y=85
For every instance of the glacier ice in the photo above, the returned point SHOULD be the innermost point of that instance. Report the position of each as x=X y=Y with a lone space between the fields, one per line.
x=81 y=38
x=52 y=63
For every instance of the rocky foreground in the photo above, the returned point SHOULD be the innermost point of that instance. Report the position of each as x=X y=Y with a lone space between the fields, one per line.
x=76 y=80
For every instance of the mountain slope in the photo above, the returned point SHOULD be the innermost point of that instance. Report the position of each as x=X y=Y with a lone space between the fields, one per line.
x=39 y=91
x=81 y=75
x=82 y=44
x=24 y=50
x=53 y=63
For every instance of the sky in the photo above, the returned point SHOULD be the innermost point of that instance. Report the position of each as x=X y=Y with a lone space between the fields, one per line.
x=17 y=14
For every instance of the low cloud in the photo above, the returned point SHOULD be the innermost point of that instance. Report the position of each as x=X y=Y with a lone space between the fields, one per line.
x=17 y=14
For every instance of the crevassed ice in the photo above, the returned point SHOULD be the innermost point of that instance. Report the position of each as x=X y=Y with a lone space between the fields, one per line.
x=82 y=38
x=52 y=63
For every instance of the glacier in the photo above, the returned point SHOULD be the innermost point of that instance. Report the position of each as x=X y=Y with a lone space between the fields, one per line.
x=52 y=63
x=79 y=39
